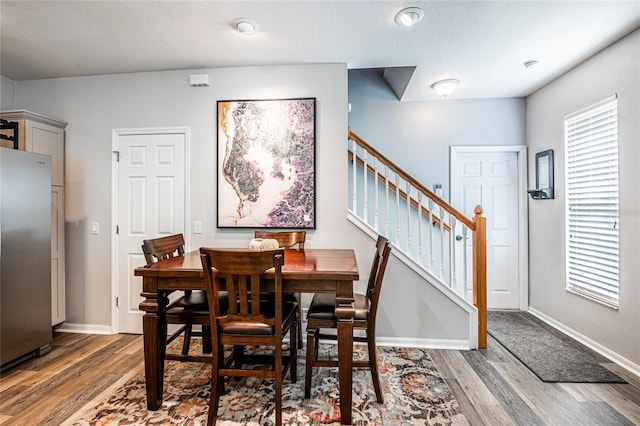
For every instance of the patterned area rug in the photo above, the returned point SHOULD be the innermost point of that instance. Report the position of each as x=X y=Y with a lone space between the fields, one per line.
x=414 y=391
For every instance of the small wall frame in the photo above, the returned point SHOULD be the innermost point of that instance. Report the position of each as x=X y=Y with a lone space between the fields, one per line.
x=544 y=176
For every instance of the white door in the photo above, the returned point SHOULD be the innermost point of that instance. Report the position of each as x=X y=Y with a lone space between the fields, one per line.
x=490 y=179
x=150 y=202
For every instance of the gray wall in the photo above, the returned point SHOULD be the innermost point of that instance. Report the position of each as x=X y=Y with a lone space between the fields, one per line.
x=94 y=106
x=7 y=94
x=417 y=135
x=615 y=70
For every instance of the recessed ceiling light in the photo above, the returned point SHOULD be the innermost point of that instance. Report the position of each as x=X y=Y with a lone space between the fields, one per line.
x=409 y=16
x=245 y=26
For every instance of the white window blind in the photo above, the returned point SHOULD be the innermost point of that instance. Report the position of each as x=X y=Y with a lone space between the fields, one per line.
x=592 y=214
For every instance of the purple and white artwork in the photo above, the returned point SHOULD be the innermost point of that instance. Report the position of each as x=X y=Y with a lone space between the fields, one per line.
x=266 y=163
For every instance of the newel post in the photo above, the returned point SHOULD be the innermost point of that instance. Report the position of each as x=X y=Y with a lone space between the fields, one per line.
x=480 y=274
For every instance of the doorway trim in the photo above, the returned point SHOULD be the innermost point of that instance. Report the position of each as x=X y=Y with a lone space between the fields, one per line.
x=115 y=135
x=523 y=216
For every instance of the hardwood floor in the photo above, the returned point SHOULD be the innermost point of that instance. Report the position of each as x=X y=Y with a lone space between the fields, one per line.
x=492 y=387
x=50 y=389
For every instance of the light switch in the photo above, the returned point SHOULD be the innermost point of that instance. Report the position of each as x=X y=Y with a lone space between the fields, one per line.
x=95 y=228
x=197 y=227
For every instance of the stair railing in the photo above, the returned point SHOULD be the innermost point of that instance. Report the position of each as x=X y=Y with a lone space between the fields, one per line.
x=421 y=225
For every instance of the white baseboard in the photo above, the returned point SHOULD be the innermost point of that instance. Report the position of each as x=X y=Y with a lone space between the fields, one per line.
x=592 y=344
x=410 y=342
x=404 y=342
x=84 y=328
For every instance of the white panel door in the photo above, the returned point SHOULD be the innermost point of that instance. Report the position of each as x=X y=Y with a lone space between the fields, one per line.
x=150 y=203
x=490 y=179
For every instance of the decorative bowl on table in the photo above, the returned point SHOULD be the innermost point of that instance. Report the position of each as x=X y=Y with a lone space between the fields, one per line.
x=263 y=244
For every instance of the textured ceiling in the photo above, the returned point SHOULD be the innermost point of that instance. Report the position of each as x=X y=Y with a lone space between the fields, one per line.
x=483 y=44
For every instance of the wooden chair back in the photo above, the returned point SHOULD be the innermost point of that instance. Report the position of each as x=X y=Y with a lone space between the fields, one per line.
x=376 y=275
x=163 y=248
x=319 y=317
x=187 y=310
x=240 y=271
x=246 y=323
x=286 y=239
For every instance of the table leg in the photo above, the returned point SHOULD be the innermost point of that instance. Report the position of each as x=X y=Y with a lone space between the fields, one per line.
x=345 y=313
x=154 y=327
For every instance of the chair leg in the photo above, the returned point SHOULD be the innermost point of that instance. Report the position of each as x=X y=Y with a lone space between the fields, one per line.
x=311 y=335
x=217 y=385
x=293 y=353
x=187 y=340
x=373 y=366
x=300 y=342
x=238 y=355
x=316 y=344
x=278 y=385
x=206 y=339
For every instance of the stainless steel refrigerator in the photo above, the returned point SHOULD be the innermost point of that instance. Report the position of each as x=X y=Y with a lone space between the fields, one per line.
x=25 y=255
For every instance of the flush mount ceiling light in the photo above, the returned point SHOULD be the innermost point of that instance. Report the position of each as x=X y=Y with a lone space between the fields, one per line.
x=409 y=16
x=245 y=26
x=445 y=87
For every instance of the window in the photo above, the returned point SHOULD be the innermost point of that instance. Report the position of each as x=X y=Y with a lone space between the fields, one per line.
x=592 y=220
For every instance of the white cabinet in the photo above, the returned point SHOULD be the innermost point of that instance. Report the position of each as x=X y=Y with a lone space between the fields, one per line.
x=47 y=139
x=45 y=135
x=57 y=256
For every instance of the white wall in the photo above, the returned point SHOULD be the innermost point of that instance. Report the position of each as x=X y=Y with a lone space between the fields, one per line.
x=615 y=70
x=7 y=94
x=417 y=135
x=94 y=106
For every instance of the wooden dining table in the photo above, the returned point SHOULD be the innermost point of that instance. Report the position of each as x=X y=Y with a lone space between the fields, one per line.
x=304 y=271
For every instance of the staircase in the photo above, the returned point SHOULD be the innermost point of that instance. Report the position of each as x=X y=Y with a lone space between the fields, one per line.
x=447 y=248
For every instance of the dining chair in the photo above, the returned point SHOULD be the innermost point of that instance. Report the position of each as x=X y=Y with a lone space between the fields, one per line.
x=288 y=239
x=321 y=315
x=191 y=308
x=248 y=321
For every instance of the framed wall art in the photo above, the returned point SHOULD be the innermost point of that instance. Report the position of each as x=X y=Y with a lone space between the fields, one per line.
x=266 y=164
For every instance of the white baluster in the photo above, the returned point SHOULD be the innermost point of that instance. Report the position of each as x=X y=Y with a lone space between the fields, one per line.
x=420 y=218
x=465 y=279
x=354 y=206
x=430 y=224
x=408 y=186
x=375 y=185
x=442 y=230
x=398 y=210
x=387 y=222
x=452 y=256
x=365 y=206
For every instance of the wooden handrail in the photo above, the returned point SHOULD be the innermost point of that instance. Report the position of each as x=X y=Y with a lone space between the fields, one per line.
x=439 y=201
